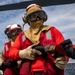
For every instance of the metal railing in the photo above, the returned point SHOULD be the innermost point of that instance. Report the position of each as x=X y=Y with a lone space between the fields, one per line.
x=70 y=69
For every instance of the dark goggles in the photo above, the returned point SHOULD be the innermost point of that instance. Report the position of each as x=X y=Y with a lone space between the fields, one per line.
x=15 y=32
x=39 y=14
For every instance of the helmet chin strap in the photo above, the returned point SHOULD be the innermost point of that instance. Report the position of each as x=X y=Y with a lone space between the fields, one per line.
x=23 y=26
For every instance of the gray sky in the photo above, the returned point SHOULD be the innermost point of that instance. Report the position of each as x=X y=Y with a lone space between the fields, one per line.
x=61 y=16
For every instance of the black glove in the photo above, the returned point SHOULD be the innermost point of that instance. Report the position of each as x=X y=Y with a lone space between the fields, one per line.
x=68 y=48
x=64 y=48
x=41 y=49
x=2 y=67
x=10 y=64
x=70 y=52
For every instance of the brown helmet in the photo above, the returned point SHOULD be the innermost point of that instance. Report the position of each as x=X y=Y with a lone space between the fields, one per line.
x=31 y=9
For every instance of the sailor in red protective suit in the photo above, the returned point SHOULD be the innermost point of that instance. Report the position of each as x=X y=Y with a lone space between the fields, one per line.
x=9 y=66
x=36 y=62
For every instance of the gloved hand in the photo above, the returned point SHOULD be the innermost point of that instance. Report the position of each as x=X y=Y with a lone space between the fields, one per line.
x=1 y=62
x=1 y=59
x=1 y=72
x=11 y=63
x=50 y=48
x=29 y=53
x=60 y=62
x=70 y=51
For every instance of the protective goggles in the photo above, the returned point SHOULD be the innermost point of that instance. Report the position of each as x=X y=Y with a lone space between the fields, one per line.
x=15 y=32
x=39 y=14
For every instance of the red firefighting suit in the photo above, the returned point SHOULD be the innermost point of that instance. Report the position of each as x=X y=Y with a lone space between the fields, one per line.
x=9 y=71
x=44 y=64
